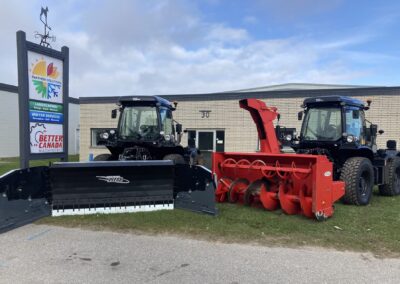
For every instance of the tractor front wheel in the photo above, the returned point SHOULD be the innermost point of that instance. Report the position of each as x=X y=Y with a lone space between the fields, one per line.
x=102 y=157
x=358 y=175
x=392 y=185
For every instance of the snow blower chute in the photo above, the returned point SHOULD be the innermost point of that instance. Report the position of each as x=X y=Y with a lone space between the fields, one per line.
x=296 y=183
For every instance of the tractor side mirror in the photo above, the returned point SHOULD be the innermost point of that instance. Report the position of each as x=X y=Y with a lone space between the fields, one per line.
x=279 y=116
x=381 y=132
x=114 y=113
x=374 y=129
x=368 y=105
x=356 y=114
x=300 y=115
x=178 y=128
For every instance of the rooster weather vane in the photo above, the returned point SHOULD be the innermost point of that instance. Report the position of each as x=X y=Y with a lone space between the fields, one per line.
x=46 y=35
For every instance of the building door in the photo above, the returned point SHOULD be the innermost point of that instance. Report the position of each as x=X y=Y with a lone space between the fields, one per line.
x=207 y=141
x=206 y=145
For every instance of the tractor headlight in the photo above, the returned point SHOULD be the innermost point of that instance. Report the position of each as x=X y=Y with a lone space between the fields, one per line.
x=112 y=131
x=104 y=135
x=288 y=137
x=167 y=137
x=350 y=139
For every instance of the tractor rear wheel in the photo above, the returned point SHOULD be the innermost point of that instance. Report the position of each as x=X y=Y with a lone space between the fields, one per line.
x=176 y=158
x=358 y=175
x=392 y=187
x=102 y=157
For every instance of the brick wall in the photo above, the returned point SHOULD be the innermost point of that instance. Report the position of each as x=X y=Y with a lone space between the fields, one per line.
x=94 y=116
x=240 y=131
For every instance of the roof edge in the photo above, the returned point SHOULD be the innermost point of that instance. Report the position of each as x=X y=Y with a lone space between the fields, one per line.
x=367 y=91
x=14 y=89
x=8 y=88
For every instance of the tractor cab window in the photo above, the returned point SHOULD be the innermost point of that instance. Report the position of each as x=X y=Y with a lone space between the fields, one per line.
x=139 y=122
x=322 y=124
x=166 y=121
x=355 y=123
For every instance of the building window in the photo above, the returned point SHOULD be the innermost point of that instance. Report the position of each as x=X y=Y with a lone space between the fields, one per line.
x=94 y=136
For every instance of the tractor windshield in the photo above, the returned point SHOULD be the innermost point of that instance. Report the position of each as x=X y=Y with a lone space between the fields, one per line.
x=322 y=124
x=139 y=122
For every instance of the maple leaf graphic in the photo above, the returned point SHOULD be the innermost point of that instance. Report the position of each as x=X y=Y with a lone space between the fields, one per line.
x=40 y=88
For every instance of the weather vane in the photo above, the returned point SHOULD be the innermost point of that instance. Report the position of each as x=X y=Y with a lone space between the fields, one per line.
x=46 y=35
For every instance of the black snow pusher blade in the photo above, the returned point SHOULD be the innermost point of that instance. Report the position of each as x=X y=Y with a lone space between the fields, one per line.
x=103 y=187
x=111 y=187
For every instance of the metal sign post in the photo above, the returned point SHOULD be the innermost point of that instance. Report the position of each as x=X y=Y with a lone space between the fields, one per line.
x=43 y=101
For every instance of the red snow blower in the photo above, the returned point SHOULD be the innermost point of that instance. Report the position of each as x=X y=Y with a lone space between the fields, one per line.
x=296 y=183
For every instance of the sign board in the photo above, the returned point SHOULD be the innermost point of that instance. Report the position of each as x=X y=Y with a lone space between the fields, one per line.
x=45 y=78
x=43 y=101
x=46 y=137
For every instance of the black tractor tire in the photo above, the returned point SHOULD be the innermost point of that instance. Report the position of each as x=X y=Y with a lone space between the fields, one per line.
x=358 y=175
x=392 y=187
x=102 y=157
x=176 y=158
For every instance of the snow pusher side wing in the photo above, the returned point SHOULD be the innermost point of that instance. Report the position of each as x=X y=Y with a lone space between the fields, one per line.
x=194 y=189
x=102 y=187
x=23 y=197
x=298 y=184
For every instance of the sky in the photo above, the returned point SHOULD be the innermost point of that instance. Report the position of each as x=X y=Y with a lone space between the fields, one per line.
x=129 y=47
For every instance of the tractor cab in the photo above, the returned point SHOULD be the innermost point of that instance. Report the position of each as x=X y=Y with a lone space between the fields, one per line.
x=336 y=126
x=146 y=119
x=146 y=131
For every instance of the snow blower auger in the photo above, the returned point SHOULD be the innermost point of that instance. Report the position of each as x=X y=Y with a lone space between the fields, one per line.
x=296 y=183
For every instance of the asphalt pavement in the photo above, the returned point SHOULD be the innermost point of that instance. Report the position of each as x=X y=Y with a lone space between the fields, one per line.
x=48 y=254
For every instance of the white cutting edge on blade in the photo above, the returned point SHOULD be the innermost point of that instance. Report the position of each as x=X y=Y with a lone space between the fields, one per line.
x=111 y=210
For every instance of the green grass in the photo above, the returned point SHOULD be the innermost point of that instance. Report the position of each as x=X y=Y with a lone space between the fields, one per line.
x=374 y=228
x=8 y=164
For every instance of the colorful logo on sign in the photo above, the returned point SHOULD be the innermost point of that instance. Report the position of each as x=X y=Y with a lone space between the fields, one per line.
x=46 y=137
x=45 y=78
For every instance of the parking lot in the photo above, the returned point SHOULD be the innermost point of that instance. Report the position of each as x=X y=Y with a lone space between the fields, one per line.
x=50 y=254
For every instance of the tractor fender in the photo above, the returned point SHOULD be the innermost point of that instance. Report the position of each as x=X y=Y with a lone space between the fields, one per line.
x=362 y=151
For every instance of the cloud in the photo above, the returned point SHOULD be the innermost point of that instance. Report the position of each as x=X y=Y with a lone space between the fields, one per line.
x=220 y=33
x=167 y=47
x=290 y=11
x=171 y=69
x=251 y=20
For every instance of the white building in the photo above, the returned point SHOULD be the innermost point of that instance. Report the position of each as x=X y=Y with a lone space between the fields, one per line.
x=9 y=126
